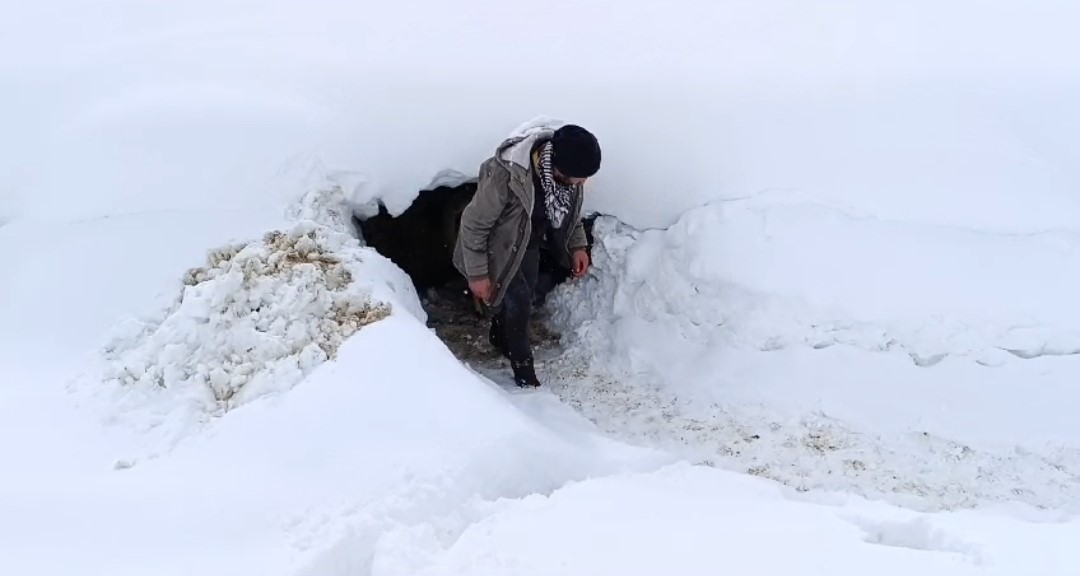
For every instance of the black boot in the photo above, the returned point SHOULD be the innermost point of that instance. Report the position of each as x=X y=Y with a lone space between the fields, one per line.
x=525 y=373
x=497 y=338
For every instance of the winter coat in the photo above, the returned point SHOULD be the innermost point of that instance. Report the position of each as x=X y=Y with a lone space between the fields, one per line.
x=497 y=223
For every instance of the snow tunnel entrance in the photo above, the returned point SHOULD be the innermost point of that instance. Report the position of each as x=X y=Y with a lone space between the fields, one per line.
x=421 y=242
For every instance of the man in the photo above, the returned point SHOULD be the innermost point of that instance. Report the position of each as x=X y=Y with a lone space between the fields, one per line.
x=529 y=194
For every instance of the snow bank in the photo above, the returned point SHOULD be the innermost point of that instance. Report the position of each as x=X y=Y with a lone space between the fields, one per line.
x=921 y=364
x=303 y=482
x=918 y=111
x=687 y=520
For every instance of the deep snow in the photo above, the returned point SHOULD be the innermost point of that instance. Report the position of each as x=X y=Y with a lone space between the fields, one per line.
x=858 y=280
x=377 y=463
x=940 y=375
x=693 y=521
x=294 y=477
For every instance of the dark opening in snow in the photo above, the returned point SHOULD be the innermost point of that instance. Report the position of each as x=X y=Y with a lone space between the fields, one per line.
x=421 y=242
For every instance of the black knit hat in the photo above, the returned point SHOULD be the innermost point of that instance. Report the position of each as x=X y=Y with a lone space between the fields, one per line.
x=575 y=152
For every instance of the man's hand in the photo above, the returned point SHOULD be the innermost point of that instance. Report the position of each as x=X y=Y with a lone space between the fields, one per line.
x=581 y=262
x=481 y=287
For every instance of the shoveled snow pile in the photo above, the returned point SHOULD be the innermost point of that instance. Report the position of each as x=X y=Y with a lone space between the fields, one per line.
x=257 y=319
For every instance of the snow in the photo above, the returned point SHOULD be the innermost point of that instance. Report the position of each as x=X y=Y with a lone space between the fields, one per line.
x=837 y=256
x=766 y=272
x=693 y=520
x=129 y=482
x=829 y=351
x=916 y=112
x=273 y=486
x=256 y=320
x=374 y=462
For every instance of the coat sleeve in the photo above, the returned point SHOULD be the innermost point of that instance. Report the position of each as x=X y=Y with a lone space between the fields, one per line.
x=578 y=239
x=479 y=218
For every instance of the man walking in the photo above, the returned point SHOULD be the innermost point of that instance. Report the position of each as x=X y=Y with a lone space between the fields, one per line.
x=529 y=194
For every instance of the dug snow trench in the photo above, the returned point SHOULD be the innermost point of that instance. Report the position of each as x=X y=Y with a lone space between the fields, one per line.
x=658 y=348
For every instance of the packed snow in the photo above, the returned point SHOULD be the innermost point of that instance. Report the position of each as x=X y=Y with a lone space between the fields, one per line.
x=831 y=326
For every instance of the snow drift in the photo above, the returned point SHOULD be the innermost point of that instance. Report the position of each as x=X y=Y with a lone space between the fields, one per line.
x=927 y=365
x=320 y=454
x=671 y=521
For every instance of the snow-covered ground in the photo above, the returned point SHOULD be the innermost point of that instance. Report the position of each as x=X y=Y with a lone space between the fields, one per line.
x=936 y=379
x=831 y=327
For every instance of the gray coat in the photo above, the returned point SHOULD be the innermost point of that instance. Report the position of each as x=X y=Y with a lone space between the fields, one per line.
x=497 y=223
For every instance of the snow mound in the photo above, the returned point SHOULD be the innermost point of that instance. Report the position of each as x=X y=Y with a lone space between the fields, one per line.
x=669 y=521
x=256 y=319
x=325 y=204
x=769 y=274
x=831 y=352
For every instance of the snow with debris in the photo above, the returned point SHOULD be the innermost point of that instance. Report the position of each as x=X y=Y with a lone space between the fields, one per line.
x=256 y=320
x=830 y=328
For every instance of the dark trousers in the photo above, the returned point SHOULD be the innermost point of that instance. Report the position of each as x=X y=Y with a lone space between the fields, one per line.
x=514 y=314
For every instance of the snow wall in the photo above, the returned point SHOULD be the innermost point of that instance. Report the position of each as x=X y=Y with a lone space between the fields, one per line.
x=921 y=111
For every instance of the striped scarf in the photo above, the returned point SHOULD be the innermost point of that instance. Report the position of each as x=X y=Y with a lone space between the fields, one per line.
x=558 y=198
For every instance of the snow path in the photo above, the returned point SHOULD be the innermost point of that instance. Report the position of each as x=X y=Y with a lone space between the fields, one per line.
x=814 y=451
